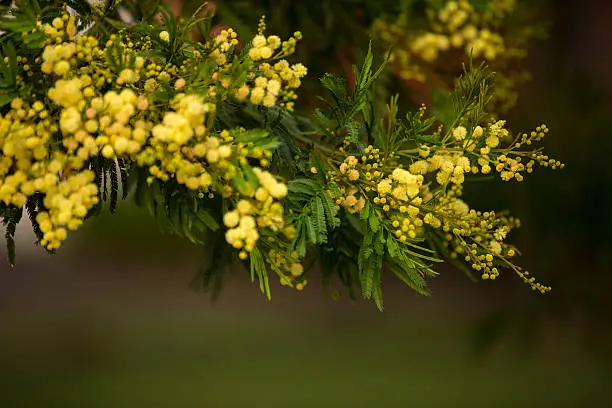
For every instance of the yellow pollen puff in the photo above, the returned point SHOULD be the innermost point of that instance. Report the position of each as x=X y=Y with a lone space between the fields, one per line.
x=459 y=133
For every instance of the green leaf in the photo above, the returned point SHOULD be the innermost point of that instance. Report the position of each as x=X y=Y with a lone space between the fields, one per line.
x=123 y=175
x=373 y=221
x=443 y=107
x=319 y=220
x=34 y=40
x=32 y=207
x=311 y=229
x=305 y=186
x=370 y=272
x=431 y=139
x=114 y=56
x=366 y=68
x=365 y=212
x=379 y=242
x=187 y=225
x=336 y=86
x=335 y=190
x=253 y=135
x=207 y=219
x=392 y=247
x=5 y=99
x=301 y=240
x=260 y=138
x=352 y=130
x=331 y=211
x=410 y=277
x=22 y=19
x=258 y=268
x=406 y=265
x=366 y=78
x=114 y=179
x=11 y=217
x=8 y=69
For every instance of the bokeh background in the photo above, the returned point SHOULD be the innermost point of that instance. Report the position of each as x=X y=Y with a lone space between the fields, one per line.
x=112 y=321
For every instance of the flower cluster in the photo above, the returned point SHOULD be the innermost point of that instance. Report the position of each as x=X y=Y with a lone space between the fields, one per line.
x=261 y=210
x=276 y=79
x=188 y=125
x=290 y=268
x=29 y=166
x=453 y=31
x=103 y=103
x=68 y=203
x=416 y=193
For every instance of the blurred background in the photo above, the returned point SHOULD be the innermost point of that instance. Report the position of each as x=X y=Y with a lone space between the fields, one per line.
x=112 y=321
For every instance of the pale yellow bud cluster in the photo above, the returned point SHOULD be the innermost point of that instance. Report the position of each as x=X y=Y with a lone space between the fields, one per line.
x=407 y=225
x=355 y=177
x=179 y=127
x=459 y=207
x=399 y=194
x=495 y=248
x=290 y=267
x=223 y=43
x=68 y=203
x=275 y=85
x=181 y=148
x=350 y=201
x=498 y=9
x=275 y=188
x=459 y=133
x=479 y=237
x=128 y=76
x=408 y=184
x=456 y=26
x=429 y=45
x=60 y=29
x=265 y=92
x=449 y=167
x=463 y=26
x=419 y=167
x=226 y=39
x=496 y=132
x=487 y=44
x=264 y=48
x=67 y=93
x=56 y=58
x=432 y=220
x=242 y=232
x=248 y=217
x=509 y=161
x=24 y=171
x=348 y=168
x=24 y=146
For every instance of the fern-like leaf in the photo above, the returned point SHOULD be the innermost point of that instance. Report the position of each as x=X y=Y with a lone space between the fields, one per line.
x=12 y=216
x=258 y=268
x=114 y=186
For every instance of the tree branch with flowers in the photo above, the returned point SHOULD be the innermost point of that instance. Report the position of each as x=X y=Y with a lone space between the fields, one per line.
x=205 y=135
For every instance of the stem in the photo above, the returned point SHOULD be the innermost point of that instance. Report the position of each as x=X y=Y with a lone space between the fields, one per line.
x=315 y=144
